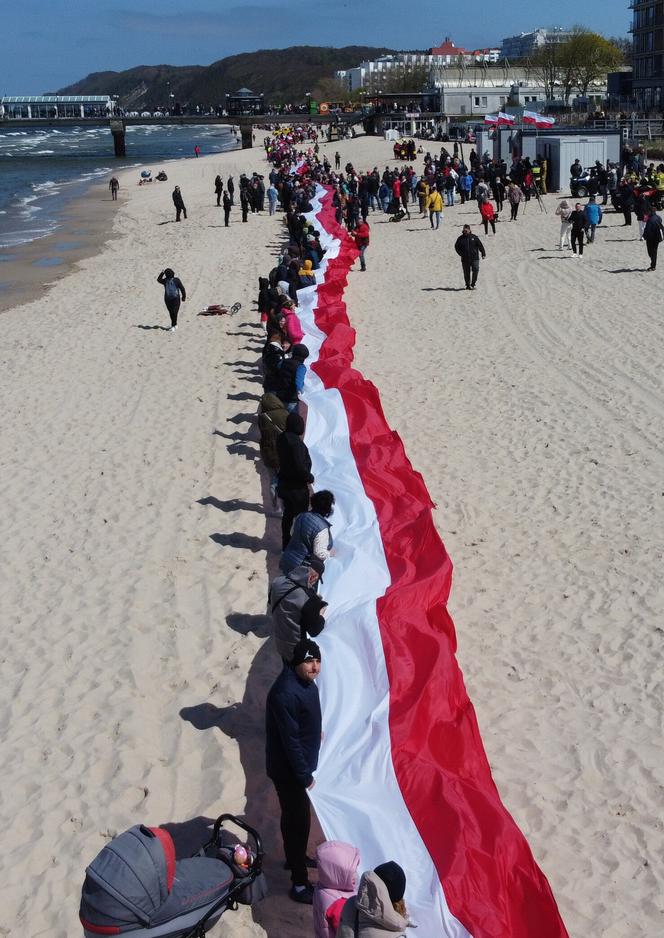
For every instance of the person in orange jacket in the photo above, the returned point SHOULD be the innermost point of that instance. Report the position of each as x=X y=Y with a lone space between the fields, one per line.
x=362 y=237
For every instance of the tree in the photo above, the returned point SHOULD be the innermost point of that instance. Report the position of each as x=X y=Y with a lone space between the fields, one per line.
x=332 y=89
x=403 y=78
x=546 y=68
x=592 y=56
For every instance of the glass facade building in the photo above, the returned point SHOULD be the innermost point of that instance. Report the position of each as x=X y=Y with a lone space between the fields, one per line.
x=648 y=54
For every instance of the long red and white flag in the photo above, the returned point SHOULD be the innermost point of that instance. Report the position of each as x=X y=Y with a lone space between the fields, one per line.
x=403 y=774
x=506 y=119
x=491 y=119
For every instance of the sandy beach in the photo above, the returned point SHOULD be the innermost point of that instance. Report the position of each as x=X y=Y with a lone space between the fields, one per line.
x=136 y=546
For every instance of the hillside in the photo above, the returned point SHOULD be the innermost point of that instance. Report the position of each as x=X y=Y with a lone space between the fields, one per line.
x=282 y=75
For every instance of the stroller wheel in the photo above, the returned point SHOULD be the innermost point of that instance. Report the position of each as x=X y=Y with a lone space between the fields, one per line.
x=235 y=308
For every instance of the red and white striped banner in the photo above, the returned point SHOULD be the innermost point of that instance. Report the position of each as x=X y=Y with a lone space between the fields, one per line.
x=403 y=774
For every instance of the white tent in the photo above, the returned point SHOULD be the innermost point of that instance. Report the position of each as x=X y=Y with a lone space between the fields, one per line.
x=392 y=134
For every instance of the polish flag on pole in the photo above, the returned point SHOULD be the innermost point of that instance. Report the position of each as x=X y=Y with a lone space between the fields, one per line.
x=539 y=120
x=507 y=119
x=491 y=119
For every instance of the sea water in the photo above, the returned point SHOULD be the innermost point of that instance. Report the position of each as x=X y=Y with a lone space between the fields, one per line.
x=41 y=171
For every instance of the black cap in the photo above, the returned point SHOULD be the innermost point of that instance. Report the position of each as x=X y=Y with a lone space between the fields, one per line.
x=394 y=878
x=306 y=650
x=316 y=564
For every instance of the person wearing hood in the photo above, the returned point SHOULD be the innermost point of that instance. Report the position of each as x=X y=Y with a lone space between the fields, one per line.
x=296 y=608
x=272 y=418
x=273 y=355
x=337 y=864
x=653 y=233
x=294 y=474
x=290 y=379
x=564 y=211
x=293 y=727
x=306 y=275
x=173 y=291
x=378 y=906
x=311 y=535
x=294 y=329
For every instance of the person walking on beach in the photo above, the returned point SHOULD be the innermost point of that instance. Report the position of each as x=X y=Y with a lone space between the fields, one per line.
x=178 y=202
x=653 y=233
x=197 y=153
x=564 y=211
x=227 y=202
x=488 y=217
x=577 y=220
x=435 y=204
x=173 y=291
x=218 y=188
x=114 y=185
x=293 y=727
x=362 y=237
x=514 y=197
x=593 y=214
x=469 y=247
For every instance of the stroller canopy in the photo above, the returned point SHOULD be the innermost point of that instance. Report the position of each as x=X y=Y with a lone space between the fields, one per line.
x=130 y=879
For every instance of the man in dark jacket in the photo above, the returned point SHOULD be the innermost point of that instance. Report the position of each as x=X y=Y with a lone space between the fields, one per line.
x=289 y=380
x=296 y=607
x=469 y=247
x=652 y=235
x=178 y=202
x=294 y=474
x=577 y=219
x=292 y=744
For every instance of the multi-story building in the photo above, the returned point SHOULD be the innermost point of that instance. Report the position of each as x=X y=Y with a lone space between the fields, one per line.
x=525 y=44
x=648 y=54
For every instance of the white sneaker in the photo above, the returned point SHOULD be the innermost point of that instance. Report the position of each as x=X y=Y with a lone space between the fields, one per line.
x=172 y=329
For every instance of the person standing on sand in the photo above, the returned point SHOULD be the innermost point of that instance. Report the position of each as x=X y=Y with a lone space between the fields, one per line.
x=218 y=188
x=230 y=185
x=564 y=211
x=514 y=197
x=227 y=208
x=337 y=160
x=114 y=185
x=244 y=203
x=178 y=202
x=293 y=731
x=653 y=233
x=469 y=247
x=362 y=237
x=577 y=220
x=173 y=291
x=197 y=153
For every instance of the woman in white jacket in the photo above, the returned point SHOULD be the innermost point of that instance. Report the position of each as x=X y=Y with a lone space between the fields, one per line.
x=564 y=211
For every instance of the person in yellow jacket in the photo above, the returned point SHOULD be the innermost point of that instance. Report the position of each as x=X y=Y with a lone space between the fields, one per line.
x=659 y=185
x=423 y=195
x=435 y=205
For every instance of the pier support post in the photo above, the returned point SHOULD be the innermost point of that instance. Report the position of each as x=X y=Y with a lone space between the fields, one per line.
x=119 y=143
x=247 y=132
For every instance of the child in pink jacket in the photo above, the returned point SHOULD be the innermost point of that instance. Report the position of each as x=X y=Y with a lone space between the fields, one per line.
x=337 y=879
x=293 y=328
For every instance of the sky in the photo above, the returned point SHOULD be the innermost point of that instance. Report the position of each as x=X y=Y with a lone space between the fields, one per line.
x=48 y=44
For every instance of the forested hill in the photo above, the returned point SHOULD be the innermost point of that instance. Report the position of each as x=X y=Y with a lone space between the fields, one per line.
x=282 y=75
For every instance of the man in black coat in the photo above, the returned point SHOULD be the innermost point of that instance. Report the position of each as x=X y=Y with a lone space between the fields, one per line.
x=178 y=202
x=293 y=737
x=469 y=247
x=652 y=235
x=294 y=474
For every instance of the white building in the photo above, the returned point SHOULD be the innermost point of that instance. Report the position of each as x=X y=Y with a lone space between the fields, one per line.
x=525 y=44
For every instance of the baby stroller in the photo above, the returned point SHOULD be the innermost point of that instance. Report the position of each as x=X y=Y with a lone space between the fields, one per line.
x=398 y=216
x=135 y=886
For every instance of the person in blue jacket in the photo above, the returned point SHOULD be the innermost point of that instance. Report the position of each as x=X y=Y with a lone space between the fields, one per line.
x=593 y=214
x=466 y=186
x=293 y=737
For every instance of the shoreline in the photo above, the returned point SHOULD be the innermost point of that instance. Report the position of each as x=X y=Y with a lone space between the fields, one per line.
x=29 y=270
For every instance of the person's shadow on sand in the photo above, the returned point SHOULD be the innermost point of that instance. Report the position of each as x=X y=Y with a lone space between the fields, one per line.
x=161 y=328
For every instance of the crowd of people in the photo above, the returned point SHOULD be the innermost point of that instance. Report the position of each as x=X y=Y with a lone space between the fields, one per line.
x=344 y=905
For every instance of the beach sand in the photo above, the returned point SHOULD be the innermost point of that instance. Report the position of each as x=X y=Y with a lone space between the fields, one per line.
x=136 y=549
